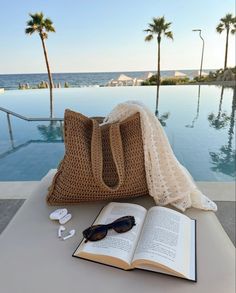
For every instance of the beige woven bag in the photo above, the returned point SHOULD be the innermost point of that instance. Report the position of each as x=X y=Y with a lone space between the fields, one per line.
x=100 y=163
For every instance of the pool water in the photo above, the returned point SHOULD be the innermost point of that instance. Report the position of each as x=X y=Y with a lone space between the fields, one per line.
x=199 y=122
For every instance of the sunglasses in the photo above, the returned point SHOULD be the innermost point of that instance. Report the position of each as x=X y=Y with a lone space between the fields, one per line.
x=98 y=232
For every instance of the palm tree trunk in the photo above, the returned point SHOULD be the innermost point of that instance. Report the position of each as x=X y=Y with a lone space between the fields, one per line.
x=221 y=100
x=158 y=71
x=231 y=127
x=226 y=48
x=158 y=60
x=232 y=121
x=49 y=76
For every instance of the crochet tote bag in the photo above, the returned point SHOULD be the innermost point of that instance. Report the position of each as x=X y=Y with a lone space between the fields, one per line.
x=100 y=162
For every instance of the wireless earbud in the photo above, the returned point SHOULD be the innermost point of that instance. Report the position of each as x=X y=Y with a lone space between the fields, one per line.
x=65 y=219
x=71 y=234
x=58 y=214
x=61 y=229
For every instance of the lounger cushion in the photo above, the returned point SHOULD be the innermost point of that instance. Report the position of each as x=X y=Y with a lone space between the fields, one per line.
x=33 y=259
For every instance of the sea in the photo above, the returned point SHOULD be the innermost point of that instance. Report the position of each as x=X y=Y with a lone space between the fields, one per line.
x=88 y=79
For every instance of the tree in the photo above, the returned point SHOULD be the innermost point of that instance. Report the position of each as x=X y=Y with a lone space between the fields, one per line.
x=158 y=27
x=227 y=23
x=42 y=26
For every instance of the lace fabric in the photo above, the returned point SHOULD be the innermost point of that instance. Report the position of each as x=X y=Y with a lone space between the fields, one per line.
x=168 y=181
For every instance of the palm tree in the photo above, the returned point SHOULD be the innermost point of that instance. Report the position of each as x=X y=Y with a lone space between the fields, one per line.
x=42 y=26
x=227 y=23
x=158 y=27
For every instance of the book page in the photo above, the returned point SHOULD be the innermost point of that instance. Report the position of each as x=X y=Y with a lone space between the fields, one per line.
x=166 y=240
x=117 y=245
x=192 y=264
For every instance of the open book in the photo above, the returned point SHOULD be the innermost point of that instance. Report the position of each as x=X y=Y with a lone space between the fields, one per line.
x=162 y=240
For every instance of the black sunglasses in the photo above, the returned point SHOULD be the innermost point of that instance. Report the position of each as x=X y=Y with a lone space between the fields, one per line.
x=98 y=232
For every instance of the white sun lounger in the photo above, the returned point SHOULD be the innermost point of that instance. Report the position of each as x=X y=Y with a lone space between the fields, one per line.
x=33 y=259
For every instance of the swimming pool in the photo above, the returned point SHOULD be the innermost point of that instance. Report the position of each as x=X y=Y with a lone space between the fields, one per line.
x=199 y=122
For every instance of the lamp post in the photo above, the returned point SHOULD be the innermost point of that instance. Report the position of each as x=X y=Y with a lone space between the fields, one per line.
x=200 y=35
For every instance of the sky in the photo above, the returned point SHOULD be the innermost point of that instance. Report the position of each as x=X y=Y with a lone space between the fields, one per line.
x=104 y=36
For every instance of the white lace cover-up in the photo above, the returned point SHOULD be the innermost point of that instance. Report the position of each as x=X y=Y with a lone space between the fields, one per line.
x=168 y=181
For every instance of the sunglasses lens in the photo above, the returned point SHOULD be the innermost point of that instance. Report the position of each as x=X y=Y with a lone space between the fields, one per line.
x=98 y=232
x=95 y=233
x=124 y=224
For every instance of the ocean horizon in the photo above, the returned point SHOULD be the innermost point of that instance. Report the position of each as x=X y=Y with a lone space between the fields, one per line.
x=80 y=79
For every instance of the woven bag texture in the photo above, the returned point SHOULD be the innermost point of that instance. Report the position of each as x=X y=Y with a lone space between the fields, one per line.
x=100 y=162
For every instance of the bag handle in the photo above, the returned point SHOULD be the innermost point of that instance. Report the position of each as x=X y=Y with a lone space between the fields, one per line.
x=97 y=155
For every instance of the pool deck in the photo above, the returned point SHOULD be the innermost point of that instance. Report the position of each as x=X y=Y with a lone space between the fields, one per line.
x=223 y=193
x=218 y=191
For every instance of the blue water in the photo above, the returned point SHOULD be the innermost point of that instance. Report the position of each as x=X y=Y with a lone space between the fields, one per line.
x=12 y=81
x=200 y=128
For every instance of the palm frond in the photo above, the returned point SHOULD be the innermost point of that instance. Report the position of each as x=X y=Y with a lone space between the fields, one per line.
x=158 y=27
x=220 y=28
x=48 y=24
x=30 y=22
x=37 y=23
x=233 y=31
x=228 y=17
x=226 y=22
x=29 y=30
x=169 y=35
x=159 y=22
x=148 y=38
x=37 y=18
x=166 y=26
x=151 y=26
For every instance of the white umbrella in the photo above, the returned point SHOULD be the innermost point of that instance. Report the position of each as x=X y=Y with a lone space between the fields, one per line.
x=179 y=74
x=147 y=75
x=124 y=77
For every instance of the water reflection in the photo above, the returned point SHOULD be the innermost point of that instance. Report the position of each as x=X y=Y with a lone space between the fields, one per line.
x=224 y=160
x=51 y=132
x=206 y=148
x=163 y=118
x=10 y=131
x=51 y=102
x=198 y=109
x=220 y=120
